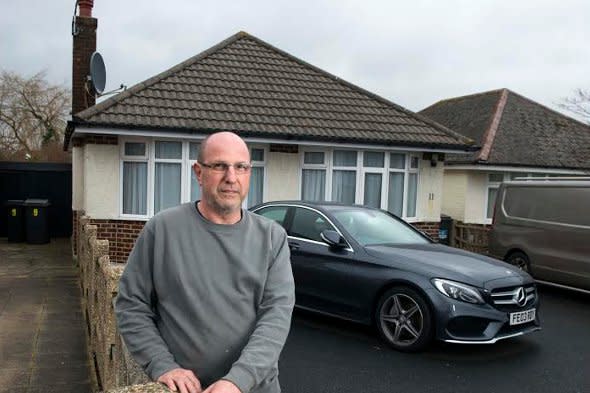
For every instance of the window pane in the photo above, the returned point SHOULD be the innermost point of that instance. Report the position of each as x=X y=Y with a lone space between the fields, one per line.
x=275 y=213
x=313 y=157
x=395 y=198
x=373 y=159
x=308 y=224
x=344 y=186
x=371 y=227
x=567 y=205
x=313 y=187
x=372 y=190
x=135 y=188
x=169 y=150
x=134 y=149
x=193 y=150
x=257 y=155
x=256 y=186
x=412 y=194
x=491 y=201
x=344 y=158
x=397 y=160
x=166 y=186
x=496 y=177
x=414 y=162
x=195 y=187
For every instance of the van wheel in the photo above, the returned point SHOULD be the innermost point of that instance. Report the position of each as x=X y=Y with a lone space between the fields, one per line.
x=404 y=320
x=520 y=260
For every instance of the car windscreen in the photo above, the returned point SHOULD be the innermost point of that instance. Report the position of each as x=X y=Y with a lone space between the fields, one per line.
x=375 y=227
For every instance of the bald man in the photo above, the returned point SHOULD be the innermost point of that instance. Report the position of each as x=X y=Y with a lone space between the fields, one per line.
x=205 y=300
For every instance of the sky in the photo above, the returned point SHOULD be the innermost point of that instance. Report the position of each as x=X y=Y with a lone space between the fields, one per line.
x=413 y=53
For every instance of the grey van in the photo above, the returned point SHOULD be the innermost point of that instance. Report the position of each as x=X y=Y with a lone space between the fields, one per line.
x=543 y=226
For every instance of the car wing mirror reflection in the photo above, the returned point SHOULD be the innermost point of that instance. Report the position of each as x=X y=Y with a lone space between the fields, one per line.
x=333 y=238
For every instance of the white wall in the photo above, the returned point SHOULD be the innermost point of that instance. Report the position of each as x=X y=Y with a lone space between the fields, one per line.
x=454 y=193
x=430 y=191
x=101 y=181
x=283 y=176
x=77 y=178
x=475 y=197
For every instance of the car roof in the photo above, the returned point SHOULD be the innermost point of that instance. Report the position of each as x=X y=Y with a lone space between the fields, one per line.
x=329 y=206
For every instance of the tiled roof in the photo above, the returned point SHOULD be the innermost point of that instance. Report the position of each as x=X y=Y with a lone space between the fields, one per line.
x=514 y=131
x=245 y=85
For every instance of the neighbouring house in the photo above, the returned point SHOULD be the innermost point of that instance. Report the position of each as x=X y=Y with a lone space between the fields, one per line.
x=311 y=135
x=518 y=138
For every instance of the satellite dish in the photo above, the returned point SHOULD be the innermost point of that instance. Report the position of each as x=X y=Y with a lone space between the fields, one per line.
x=98 y=74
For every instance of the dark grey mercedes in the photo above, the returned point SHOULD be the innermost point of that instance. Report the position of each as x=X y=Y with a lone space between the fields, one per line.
x=367 y=265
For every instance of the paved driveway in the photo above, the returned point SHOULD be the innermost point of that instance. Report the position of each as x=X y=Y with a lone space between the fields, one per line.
x=325 y=355
x=42 y=338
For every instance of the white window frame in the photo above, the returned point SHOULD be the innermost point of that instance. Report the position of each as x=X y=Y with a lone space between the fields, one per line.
x=411 y=170
x=183 y=161
x=145 y=158
x=329 y=167
x=325 y=167
x=355 y=168
x=189 y=171
x=259 y=164
x=377 y=170
x=186 y=169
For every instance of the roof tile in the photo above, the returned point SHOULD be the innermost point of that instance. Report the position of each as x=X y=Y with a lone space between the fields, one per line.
x=247 y=85
x=528 y=133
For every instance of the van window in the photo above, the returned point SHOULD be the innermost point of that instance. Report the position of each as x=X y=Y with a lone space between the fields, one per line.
x=563 y=205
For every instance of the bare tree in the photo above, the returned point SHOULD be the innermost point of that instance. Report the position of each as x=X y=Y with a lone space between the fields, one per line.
x=33 y=114
x=579 y=104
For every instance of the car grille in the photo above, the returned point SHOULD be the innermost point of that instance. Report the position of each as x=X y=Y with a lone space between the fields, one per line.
x=513 y=298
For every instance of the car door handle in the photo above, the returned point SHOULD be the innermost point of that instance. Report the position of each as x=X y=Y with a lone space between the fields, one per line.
x=293 y=246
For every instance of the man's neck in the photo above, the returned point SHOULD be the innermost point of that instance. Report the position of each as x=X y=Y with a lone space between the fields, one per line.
x=211 y=215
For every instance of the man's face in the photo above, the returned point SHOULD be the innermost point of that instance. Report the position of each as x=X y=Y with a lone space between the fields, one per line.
x=224 y=191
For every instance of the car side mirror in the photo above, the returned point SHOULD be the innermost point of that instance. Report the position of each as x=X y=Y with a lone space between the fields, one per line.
x=333 y=238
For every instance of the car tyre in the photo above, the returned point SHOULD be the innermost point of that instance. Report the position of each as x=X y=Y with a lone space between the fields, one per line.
x=520 y=260
x=404 y=319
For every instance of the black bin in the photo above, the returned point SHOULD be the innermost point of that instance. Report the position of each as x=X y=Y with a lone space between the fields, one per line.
x=37 y=220
x=15 y=221
x=444 y=232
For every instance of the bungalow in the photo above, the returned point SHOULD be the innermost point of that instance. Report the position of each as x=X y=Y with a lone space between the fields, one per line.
x=519 y=138
x=311 y=135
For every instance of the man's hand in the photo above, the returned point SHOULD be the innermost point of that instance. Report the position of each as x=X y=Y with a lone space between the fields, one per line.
x=222 y=386
x=181 y=380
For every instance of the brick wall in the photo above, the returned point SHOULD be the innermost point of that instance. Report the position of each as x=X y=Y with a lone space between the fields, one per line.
x=84 y=46
x=430 y=228
x=121 y=235
x=95 y=140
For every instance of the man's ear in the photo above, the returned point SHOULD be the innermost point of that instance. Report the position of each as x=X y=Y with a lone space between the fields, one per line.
x=198 y=171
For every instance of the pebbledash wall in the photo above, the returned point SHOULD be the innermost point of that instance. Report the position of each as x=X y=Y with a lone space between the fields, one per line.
x=96 y=191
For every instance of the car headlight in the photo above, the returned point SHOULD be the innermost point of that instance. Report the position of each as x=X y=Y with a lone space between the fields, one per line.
x=458 y=291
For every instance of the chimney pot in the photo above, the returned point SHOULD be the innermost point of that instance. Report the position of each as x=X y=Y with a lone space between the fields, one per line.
x=86 y=8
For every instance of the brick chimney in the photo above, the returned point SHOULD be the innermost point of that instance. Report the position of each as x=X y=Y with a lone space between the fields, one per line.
x=84 y=33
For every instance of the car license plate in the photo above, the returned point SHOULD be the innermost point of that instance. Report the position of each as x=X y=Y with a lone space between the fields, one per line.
x=517 y=318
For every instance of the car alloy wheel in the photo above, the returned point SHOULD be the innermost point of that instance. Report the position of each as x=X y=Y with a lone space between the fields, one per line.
x=404 y=319
x=520 y=260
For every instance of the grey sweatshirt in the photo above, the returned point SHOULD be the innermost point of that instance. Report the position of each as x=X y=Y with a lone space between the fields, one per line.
x=215 y=299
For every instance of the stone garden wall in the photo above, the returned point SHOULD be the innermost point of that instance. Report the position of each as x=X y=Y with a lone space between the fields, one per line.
x=99 y=279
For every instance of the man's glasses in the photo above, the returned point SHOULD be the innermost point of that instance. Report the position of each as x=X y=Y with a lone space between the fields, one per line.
x=222 y=167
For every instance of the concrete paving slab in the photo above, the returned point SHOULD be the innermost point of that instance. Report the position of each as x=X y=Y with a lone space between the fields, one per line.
x=42 y=328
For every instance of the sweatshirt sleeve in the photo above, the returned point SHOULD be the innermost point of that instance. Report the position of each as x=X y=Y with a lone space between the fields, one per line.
x=134 y=310
x=262 y=351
